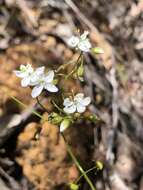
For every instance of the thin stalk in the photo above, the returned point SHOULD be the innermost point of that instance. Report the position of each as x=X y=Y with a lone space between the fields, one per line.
x=78 y=164
x=76 y=65
x=56 y=106
x=67 y=145
x=88 y=171
x=62 y=67
x=79 y=57
x=25 y=106
x=43 y=107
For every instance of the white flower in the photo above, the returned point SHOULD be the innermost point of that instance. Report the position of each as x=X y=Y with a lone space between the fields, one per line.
x=78 y=104
x=73 y=41
x=82 y=43
x=36 y=75
x=44 y=82
x=37 y=79
x=24 y=73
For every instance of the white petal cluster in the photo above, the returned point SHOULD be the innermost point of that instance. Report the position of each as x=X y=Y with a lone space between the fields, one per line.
x=36 y=79
x=44 y=82
x=82 y=43
x=77 y=104
x=25 y=74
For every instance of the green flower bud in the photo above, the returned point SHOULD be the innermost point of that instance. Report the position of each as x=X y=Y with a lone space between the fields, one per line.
x=65 y=124
x=93 y=118
x=54 y=114
x=55 y=118
x=74 y=186
x=97 y=50
x=99 y=165
x=77 y=115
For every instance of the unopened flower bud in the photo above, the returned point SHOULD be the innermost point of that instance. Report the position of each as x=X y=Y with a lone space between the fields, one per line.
x=97 y=50
x=74 y=186
x=65 y=124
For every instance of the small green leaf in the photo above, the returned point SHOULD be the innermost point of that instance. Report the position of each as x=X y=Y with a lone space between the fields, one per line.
x=65 y=124
x=97 y=50
x=74 y=186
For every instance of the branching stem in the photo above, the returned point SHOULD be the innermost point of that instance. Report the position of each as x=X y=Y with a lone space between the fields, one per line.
x=75 y=66
x=84 y=173
x=43 y=107
x=25 y=106
x=78 y=164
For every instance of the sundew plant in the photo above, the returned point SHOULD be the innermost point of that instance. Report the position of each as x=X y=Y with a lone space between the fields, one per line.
x=73 y=105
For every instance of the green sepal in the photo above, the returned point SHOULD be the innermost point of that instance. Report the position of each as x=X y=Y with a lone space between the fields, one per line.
x=55 y=81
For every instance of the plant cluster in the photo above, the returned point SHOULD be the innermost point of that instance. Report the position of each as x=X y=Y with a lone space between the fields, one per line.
x=74 y=105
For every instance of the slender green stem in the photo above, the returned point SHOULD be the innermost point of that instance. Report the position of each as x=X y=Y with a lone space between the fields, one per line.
x=25 y=106
x=56 y=106
x=63 y=66
x=76 y=65
x=43 y=107
x=78 y=164
x=91 y=169
x=67 y=145
x=79 y=57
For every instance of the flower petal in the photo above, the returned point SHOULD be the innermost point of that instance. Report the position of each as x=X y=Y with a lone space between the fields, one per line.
x=81 y=108
x=86 y=101
x=39 y=70
x=20 y=74
x=36 y=91
x=51 y=87
x=73 y=41
x=70 y=109
x=37 y=75
x=25 y=81
x=67 y=102
x=84 y=45
x=49 y=76
x=78 y=97
x=84 y=35
x=22 y=67
x=29 y=68
x=34 y=80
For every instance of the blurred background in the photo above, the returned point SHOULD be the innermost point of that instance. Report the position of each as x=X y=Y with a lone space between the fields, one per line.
x=32 y=154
